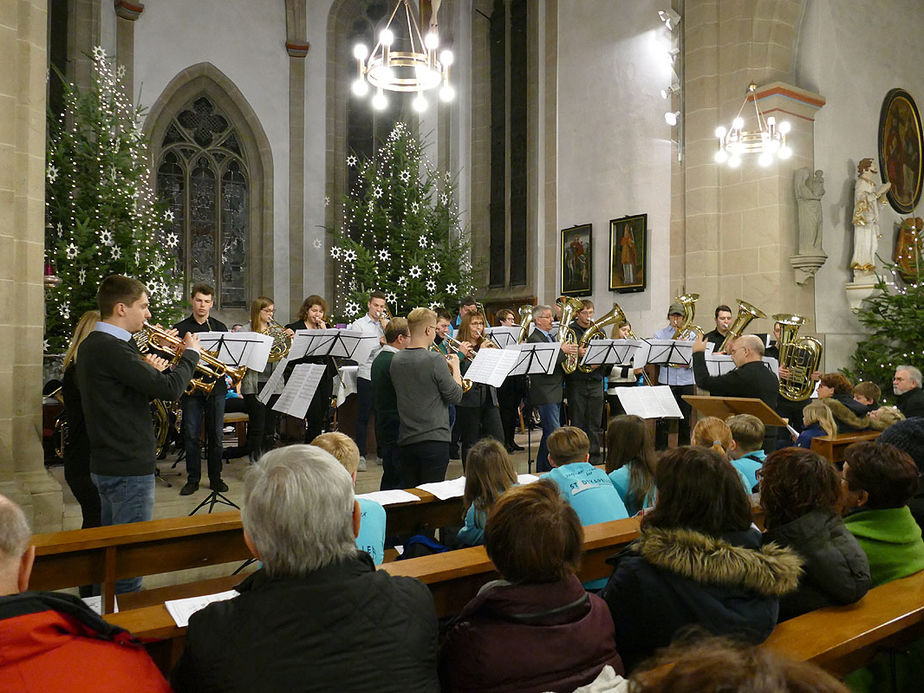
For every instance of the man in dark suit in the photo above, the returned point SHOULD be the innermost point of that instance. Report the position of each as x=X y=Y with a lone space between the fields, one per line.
x=545 y=391
x=751 y=377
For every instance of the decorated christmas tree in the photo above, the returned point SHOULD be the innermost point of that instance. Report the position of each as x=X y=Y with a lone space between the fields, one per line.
x=401 y=233
x=894 y=315
x=101 y=212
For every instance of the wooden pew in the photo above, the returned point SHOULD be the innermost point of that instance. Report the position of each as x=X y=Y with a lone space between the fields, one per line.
x=843 y=639
x=833 y=447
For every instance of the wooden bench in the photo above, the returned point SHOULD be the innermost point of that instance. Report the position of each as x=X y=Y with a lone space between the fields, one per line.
x=833 y=447
x=843 y=639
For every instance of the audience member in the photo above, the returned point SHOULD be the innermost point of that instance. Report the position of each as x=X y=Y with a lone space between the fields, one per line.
x=836 y=392
x=371 y=537
x=535 y=629
x=52 y=641
x=908 y=436
x=698 y=560
x=867 y=393
x=907 y=387
x=488 y=473
x=800 y=493
x=631 y=461
x=717 y=665
x=747 y=455
x=317 y=616
x=817 y=420
x=880 y=480
x=713 y=433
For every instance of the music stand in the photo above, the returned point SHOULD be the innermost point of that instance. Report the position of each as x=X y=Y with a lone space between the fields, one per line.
x=504 y=337
x=608 y=352
x=535 y=358
x=212 y=499
x=670 y=353
x=720 y=364
x=329 y=342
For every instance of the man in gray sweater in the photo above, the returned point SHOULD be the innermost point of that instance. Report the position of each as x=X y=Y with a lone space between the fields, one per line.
x=425 y=388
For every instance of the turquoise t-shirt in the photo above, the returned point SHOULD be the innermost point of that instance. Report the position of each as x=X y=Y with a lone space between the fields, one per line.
x=748 y=465
x=472 y=532
x=620 y=479
x=371 y=537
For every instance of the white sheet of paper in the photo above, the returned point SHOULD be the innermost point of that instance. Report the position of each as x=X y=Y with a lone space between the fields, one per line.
x=182 y=609
x=451 y=488
x=660 y=351
x=548 y=358
x=649 y=402
x=720 y=364
x=526 y=478
x=298 y=392
x=366 y=343
x=503 y=336
x=249 y=349
x=390 y=497
x=96 y=603
x=276 y=382
x=491 y=366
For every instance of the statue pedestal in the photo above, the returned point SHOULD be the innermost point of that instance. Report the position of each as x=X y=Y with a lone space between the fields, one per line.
x=806 y=264
x=862 y=287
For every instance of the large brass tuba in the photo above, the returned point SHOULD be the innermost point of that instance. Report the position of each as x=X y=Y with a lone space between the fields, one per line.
x=526 y=317
x=688 y=301
x=566 y=335
x=211 y=368
x=800 y=357
x=746 y=313
x=595 y=331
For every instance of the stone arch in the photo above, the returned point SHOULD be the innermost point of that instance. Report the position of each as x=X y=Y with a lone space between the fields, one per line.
x=206 y=79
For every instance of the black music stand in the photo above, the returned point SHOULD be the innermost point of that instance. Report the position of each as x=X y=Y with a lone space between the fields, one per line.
x=212 y=499
x=536 y=358
x=607 y=352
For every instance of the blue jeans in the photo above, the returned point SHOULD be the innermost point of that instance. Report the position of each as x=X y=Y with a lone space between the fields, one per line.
x=550 y=415
x=213 y=409
x=125 y=499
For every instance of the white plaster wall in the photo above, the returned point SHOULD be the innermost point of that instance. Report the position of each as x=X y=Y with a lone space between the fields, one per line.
x=245 y=39
x=614 y=155
x=853 y=52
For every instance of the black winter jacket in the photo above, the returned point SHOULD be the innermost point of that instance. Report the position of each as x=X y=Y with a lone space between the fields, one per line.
x=836 y=571
x=345 y=627
x=671 y=578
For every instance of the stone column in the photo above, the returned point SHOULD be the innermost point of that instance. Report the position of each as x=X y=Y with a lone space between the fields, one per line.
x=23 y=41
x=297 y=48
x=128 y=13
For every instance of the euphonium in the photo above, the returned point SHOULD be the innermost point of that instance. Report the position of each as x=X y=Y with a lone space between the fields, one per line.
x=595 y=331
x=282 y=341
x=800 y=357
x=746 y=313
x=566 y=335
x=210 y=367
x=526 y=317
x=688 y=301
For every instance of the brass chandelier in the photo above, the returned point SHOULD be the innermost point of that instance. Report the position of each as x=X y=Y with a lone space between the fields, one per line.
x=768 y=140
x=405 y=63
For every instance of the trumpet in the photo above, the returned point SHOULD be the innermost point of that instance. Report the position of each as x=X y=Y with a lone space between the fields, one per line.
x=466 y=383
x=210 y=367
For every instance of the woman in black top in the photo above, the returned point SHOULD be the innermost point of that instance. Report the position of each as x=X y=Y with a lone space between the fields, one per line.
x=311 y=316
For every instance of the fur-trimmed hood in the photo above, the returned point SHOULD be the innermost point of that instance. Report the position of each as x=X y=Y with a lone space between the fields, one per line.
x=769 y=570
x=842 y=414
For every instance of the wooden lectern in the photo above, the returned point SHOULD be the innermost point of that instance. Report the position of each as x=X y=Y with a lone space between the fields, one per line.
x=723 y=407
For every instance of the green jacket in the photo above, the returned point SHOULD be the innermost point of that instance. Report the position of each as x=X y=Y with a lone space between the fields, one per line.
x=892 y=542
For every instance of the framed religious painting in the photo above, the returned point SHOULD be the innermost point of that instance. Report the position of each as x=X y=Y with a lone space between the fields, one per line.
x=577 y=261
x=900 y=146
x=628 y=253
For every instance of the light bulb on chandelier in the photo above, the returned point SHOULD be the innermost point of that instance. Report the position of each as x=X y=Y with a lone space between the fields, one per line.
x=768 y=140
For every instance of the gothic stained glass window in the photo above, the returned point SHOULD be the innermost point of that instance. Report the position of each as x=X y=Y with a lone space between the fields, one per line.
x=202 y=175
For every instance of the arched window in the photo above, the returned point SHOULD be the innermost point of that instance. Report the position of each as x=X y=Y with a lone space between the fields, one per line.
x=203 y=176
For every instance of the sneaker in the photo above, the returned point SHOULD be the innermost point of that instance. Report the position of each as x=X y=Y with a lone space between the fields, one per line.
x=362 y=464
x=190 y=488
x=219 y=486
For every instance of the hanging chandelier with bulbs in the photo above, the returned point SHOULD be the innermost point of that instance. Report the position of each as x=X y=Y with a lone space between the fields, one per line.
x=768 y=141
x=404 y=63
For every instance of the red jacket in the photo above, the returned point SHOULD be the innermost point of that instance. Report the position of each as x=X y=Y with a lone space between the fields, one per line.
x=54 y=642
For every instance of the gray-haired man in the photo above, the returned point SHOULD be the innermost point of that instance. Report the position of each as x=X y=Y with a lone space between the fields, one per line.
x=907 y=386
x=317 y=615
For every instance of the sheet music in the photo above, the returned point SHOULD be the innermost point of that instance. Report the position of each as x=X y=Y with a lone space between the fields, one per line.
x=334 y=342
x=453 y=488
x=609 y=352
x=503 y=336
x=250 y=349
x=365 y=343
x=526 y=478
x=649 y=402
x=182 y=609
x=543 y=361
x=275 y=383
x=491 y=366
x=297 y=394
x=390 y=497
x=96 y=603
x=720 y=364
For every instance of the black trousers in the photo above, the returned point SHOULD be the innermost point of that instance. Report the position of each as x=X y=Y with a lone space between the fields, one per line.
x=686 y=409
x=509 y=396
x=391 y=467
x=423 y=462
x=475 y=423
x=363 y=409
x=585 y=407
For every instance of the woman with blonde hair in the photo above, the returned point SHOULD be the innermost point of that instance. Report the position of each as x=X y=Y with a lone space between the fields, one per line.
x=713 y=433
x=488 y=473
x=76 y=442
x=816 y=421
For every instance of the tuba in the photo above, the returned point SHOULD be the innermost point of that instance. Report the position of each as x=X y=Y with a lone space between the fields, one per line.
x=688 y=301
x=282 y=341
x=566 y=335
x=800 y=357
x=746 y=313
x=595 y=331
x=211 y=368
x=526 y=317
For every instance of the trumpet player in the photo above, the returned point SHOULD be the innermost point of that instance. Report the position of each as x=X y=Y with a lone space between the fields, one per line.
x=313 y=316
x=585 y=390
x=372 y=323
x=467 y=305
x=679 y=378
x=199 y=405
x=116 y=388
x=477 y=415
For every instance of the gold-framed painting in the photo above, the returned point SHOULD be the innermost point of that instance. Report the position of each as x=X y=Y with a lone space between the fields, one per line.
x=577 y=260
x=628 y=253
x=900 y=145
